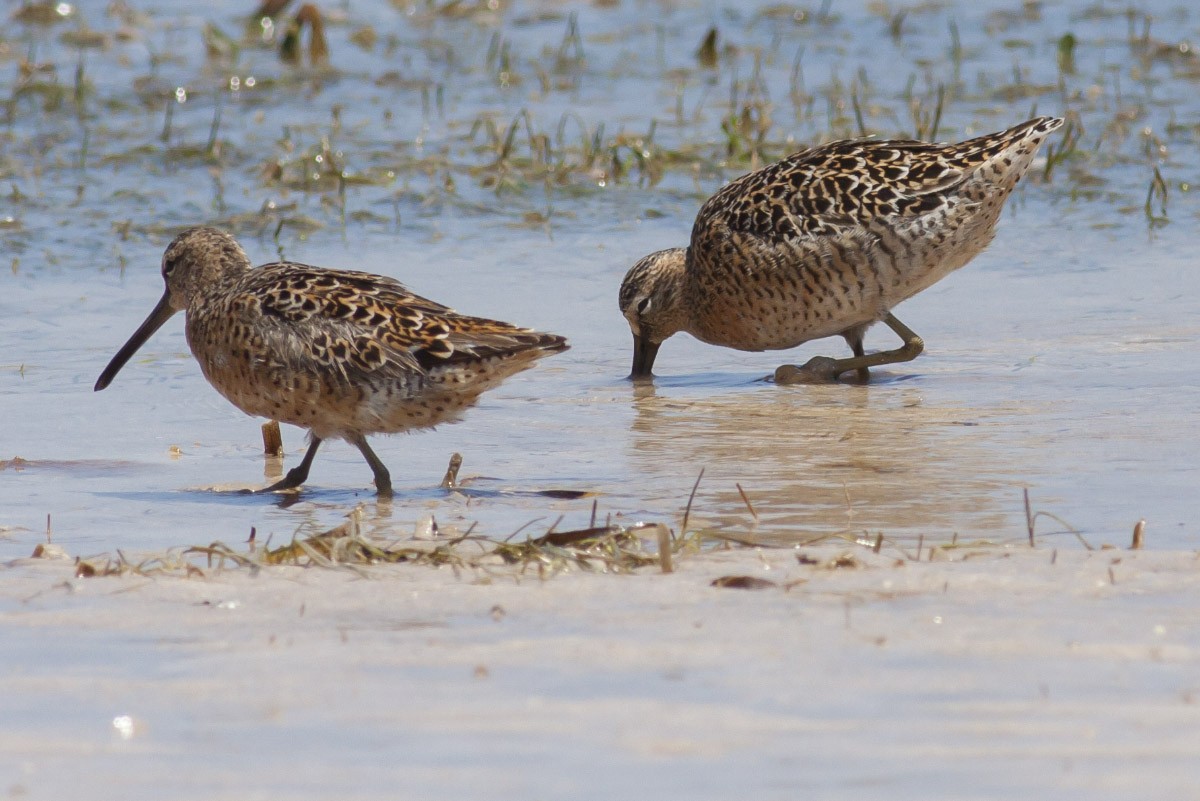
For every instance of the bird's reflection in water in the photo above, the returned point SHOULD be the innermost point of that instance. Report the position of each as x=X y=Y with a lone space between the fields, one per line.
x=820 y=460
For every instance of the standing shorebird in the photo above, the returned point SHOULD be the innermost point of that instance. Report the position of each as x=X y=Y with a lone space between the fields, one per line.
x=827 y=242
x=344 y=354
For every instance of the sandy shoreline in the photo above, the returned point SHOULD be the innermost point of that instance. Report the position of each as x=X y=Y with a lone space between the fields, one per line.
x=1012 y=670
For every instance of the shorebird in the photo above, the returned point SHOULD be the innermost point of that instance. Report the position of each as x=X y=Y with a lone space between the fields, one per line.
x=343 y=354
x=826 y=242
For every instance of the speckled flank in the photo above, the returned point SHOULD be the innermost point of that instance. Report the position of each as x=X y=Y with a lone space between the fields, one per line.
x=343 y=354
x=827 y=241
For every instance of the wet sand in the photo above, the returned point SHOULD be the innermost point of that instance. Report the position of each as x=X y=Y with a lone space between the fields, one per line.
x=1039 y=672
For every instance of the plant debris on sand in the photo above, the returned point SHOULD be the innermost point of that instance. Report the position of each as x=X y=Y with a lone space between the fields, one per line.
x=607 y=548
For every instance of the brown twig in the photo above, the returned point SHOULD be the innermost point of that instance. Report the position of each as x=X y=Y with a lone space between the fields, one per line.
x=687 y=510
x=746 y=501
x=1028 y=518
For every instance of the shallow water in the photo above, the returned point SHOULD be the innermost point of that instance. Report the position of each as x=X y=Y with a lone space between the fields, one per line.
x=1062 y=360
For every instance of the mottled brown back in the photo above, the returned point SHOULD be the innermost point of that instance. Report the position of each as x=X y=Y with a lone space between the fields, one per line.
x=829 y=239
x=339 y=351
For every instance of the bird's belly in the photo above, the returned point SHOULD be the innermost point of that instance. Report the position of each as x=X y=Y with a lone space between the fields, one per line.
x=294 y=397
x=330 y=406
x=336 y=406
x=833 y=286
x=782 y=331
x=765 y=315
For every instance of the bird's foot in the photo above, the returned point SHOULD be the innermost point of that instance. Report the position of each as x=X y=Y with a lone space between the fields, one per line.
x=292 y=481
x=817 y=370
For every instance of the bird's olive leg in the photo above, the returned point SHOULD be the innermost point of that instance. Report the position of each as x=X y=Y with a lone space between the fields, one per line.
x=854 y=338
x=822 y=369
x=383 y=479
x=298 y=474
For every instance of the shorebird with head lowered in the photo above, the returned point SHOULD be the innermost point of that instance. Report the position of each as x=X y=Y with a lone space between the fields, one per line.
x=827 y=242
x=343 y=354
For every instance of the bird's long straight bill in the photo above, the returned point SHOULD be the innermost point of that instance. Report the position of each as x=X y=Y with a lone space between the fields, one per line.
x=644 y=352
x=162 y=312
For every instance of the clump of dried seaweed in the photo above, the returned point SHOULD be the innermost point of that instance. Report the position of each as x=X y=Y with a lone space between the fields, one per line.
x=609 y=548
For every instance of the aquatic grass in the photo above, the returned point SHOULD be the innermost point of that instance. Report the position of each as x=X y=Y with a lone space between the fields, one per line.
x=737 y=94
x=748 y=120
x=306 y=17
x=1156 y=201
x=37 y=81
x=569 y=58
x=927 y=121
x=707 y=54
x=1063 y=147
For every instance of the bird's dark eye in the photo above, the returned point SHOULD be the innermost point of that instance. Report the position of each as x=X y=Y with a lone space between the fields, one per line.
x=643 y=305
x=168 y=266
